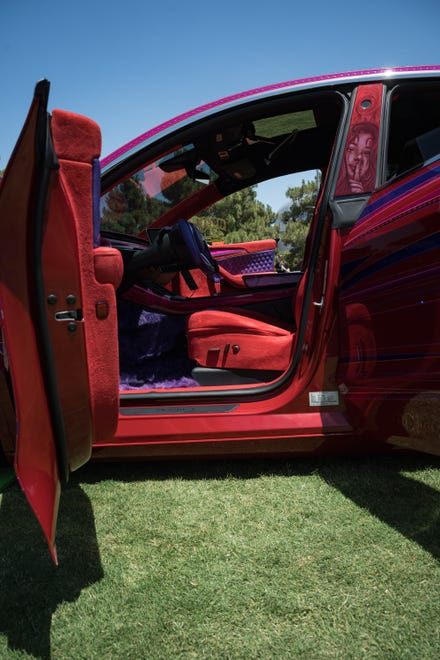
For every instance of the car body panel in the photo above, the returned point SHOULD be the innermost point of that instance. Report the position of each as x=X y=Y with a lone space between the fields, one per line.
x=36 y=461
x=372 y=85
x=392 y=298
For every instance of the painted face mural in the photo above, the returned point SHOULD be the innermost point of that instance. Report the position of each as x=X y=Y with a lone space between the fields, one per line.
x=358 y=157
x=359 y=166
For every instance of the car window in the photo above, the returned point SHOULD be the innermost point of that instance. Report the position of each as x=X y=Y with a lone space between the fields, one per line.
x=146 y=195
x=212 y=179
x=414 y=128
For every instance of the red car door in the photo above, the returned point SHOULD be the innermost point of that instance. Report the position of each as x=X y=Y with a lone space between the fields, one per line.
x=390 y=285
x=57 y=296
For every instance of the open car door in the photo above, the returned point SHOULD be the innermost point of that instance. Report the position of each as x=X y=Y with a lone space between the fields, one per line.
x=57 y=296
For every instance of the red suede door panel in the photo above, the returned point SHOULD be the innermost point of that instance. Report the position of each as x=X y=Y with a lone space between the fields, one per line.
x=58 y=305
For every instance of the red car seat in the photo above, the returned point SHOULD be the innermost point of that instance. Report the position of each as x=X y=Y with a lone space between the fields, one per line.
x=245 y=340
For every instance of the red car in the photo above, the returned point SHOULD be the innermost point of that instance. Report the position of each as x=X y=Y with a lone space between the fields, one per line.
x=152 y=307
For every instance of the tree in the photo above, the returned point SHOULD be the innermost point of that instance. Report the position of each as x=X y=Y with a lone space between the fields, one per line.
x=125 y=208
x=302 y=201
x=129 y=210
x=295 y=221
x=238 y=218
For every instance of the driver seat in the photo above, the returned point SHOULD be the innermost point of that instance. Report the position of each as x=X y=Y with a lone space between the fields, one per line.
x=244 y=341
x=239 y=341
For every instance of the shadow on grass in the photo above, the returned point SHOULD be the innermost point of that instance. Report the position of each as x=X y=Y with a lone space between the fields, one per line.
x=399 y=500
x=31 y=587
x=377 y=484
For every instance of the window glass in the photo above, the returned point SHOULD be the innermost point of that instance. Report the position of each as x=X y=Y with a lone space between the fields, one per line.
x=284 y=124
x=134 y=204
x=213 y=179
x=414 y=130
x=245 y=216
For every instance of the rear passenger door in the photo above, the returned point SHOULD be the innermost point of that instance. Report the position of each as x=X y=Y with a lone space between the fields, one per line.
x=390 y=286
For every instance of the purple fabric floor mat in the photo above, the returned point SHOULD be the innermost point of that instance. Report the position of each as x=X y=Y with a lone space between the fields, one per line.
x=152 y=349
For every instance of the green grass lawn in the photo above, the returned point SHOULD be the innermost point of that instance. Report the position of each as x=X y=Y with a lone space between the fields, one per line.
x=310 y=558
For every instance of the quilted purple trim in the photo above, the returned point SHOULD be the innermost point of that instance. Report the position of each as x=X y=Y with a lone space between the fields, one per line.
x=245 y=264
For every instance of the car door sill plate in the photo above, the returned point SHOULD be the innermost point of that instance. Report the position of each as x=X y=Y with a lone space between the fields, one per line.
x=178 y=410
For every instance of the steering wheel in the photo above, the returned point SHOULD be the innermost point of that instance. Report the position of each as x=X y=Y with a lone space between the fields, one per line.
x=180 y=247
x=196 y=247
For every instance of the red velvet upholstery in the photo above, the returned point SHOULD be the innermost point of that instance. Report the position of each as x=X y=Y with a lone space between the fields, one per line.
x=75 y=137
x=109 y=266
x=231 y=340
x=77 y=142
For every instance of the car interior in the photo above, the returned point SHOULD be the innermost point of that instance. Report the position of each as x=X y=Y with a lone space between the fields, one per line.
x=198 y=312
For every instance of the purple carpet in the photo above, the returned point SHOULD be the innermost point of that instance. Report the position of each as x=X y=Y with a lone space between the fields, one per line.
x=152 y=349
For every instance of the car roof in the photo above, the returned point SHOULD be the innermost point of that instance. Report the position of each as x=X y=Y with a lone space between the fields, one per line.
x=302 y=84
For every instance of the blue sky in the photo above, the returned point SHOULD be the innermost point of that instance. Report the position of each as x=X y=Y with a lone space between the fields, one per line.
x=132 y=65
